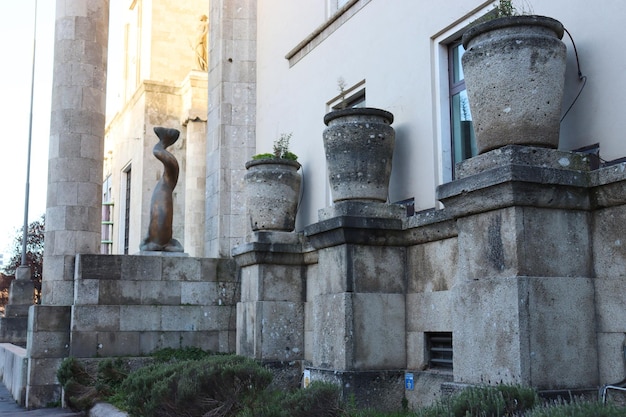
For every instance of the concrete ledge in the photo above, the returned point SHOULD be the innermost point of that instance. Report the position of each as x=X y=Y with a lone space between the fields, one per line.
x=14 y=365
x=522 y=155
x=362 y=209
x=357 y=230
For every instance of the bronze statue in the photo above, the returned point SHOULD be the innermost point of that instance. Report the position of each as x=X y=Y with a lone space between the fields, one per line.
x=161 y=206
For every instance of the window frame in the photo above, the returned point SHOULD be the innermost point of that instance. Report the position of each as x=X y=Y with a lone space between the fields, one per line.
x=124 y=226
x=106 y=238
x=440 y=43
x=456 y=87
x=354 y=96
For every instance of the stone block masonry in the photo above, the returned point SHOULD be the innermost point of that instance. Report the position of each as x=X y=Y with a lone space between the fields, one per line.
x=231 y=133
x=134 y=305
x=523 y=271
x=131 y=306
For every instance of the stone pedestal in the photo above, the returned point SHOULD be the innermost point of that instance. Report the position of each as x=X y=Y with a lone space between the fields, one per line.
x=14 y=324
x=134 y=305
x=48 y=344
x=524 y=295
x=357 y=304
x=270 y=316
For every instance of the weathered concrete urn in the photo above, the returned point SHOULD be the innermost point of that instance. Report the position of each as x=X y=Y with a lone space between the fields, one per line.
x=272 y=191
x=359 y=145
x=514 y=71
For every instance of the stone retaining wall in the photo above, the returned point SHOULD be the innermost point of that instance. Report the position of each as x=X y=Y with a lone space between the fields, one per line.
x=14 y=365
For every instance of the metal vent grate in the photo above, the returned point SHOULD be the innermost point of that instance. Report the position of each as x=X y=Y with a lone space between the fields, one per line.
x=439 y=350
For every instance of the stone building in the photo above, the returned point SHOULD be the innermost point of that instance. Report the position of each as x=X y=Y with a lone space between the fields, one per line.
x=503 y=267
x=162 y=84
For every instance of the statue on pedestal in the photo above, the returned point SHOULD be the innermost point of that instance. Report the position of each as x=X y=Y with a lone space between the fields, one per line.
x=159 y=236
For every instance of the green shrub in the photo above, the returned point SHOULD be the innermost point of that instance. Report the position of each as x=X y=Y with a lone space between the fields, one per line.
x=320 y=399
x=267 y=404
x=78 y=384
x=213 y=386
x=375 y=413
x=578 y=409
x=182 y=354
x=487 y=401
x=84 y=388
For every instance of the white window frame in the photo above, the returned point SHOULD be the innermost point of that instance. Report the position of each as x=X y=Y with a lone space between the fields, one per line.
x=335 y=5
x=122 y=228
x=440 y=43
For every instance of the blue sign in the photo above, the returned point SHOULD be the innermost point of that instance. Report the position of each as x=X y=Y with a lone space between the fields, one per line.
x=409 y=383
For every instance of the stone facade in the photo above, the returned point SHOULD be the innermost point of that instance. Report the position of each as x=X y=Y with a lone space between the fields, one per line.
x=482 y=269
x=523 y=267
x=161 y=85
x=159 y=104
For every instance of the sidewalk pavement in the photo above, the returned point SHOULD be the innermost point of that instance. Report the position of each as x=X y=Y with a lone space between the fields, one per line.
x=9 y=408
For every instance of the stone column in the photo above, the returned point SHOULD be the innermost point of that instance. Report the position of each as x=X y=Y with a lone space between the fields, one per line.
x=356 y=311
x=231 y=137
x=73 y=209
x=270 y=316
x=195 y=112
x=524 y=295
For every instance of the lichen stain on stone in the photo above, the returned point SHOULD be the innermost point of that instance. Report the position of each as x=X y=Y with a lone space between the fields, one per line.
x=495 y=249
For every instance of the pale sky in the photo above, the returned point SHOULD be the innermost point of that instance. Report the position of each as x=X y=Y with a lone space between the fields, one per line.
x=17 y=28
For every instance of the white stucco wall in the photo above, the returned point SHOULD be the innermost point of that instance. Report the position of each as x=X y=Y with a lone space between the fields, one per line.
x=394 y=46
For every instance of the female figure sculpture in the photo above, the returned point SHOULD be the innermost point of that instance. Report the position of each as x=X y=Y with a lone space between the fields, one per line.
x=159 y=236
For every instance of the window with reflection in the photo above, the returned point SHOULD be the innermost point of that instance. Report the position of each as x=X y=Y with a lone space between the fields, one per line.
x=463 y=141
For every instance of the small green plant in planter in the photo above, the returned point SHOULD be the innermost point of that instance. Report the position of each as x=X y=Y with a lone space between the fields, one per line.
x=505 y=8
x=273 y=188
x=341 y=86
x=281 y=149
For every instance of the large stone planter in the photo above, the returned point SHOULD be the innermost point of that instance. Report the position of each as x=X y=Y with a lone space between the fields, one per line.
x=272 y=193
x=359 y=145
x=514 y=71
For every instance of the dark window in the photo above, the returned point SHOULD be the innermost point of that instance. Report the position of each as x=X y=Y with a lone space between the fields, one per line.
x=355 y=100
x=463 y=142
x=439 y=350
x=127 y=212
